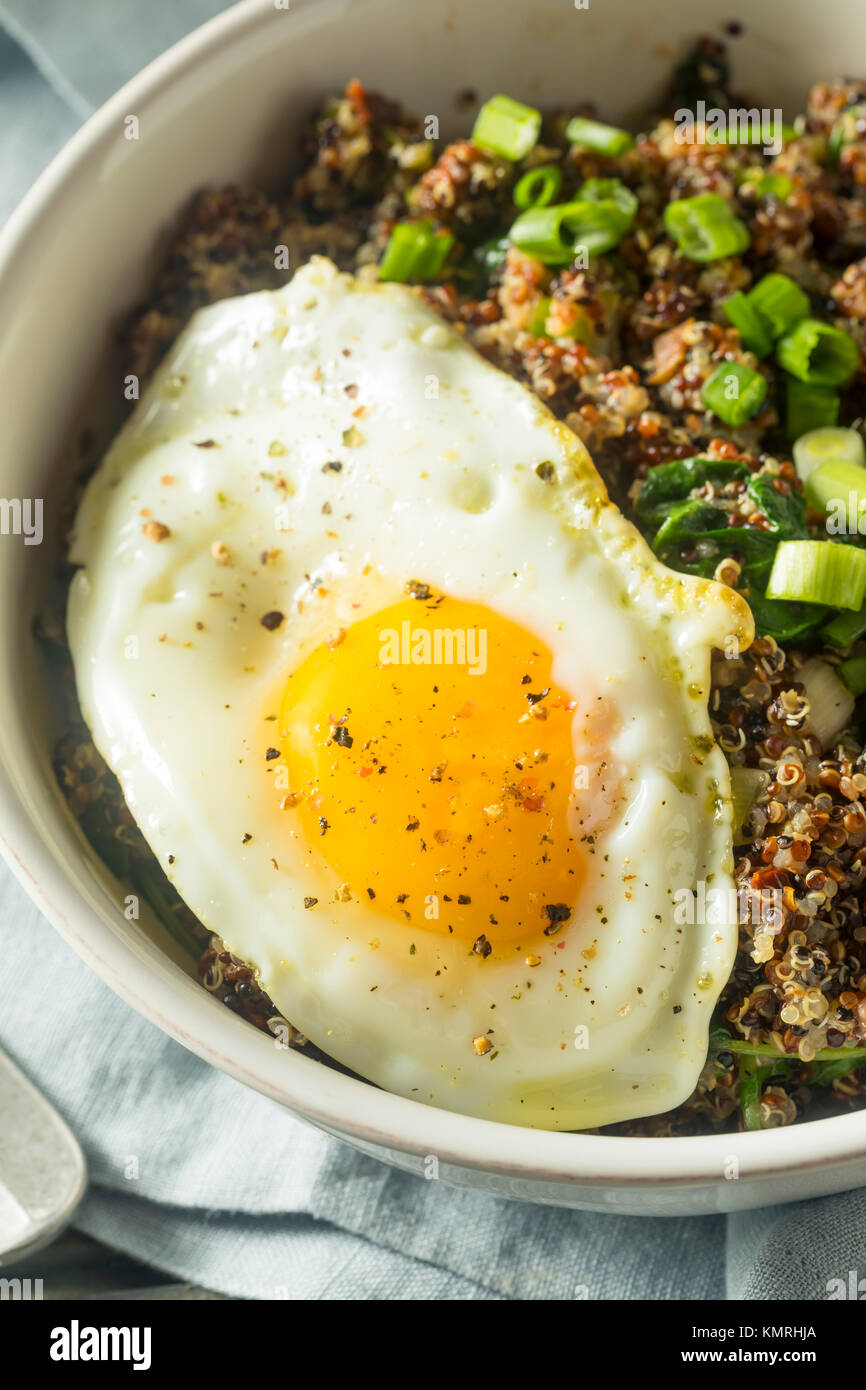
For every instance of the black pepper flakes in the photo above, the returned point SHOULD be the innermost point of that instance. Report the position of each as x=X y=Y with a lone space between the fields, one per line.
x=482 y=947
x=341 y=737
x=310 y=902
x=556 y=914
x=415 y=588
x=271 y=753
x=272 y=620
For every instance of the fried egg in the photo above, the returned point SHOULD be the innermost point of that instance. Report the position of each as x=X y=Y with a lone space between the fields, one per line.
x=407 y=710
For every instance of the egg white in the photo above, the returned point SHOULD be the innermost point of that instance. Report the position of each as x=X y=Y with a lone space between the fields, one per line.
x=439 y=480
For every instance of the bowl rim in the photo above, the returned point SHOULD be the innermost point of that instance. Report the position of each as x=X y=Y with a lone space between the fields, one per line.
x=312 y=1091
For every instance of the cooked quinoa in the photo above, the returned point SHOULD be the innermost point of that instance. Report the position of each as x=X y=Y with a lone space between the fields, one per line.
x=621 y=349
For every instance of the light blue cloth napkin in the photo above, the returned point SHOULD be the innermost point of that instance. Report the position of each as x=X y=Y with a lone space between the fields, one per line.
x=200 y=1176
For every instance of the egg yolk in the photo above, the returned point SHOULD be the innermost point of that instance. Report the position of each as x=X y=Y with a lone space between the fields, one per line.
x=430 y=760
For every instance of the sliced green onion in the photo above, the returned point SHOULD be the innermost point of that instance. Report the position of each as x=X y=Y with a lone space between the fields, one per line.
x=552 y=235
x=415 y=251
x=705 y=228
x=609 y=191
x=765 y=135
x=538 y=232
x=538 y=318
x=754 y=334
x=818 y=353
x=819 y=572
x=838 y=487
x=734 y=392
x=538 y=187
x=846 y=628
x=824 y=445
x=853 y=673
x=780 y=301
x=597 y=226
x=810 y=407
x=845 y=130
x=507 y=127
x=830 y=702
x=766 y=184
x=603 y=139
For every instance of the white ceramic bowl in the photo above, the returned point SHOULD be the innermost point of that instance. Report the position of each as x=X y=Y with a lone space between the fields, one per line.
x=227 y=103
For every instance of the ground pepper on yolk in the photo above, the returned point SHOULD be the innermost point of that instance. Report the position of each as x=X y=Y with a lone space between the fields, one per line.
x=430 y=762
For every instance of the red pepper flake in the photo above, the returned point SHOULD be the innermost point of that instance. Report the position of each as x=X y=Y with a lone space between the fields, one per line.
x=365 y=772
x=156 y=531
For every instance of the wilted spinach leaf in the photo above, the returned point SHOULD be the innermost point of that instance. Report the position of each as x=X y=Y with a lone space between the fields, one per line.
x=672 y=482
x=693 y=533
x=785 y=511
x=783 y=619
x=696 y=536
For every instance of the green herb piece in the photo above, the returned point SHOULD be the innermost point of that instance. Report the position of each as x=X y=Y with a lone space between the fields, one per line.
x=818 y=353
x=538 y=187
x=603 y=139
x=734 y=392
x=705 y=228
x=819 y=572
x=507 y=127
